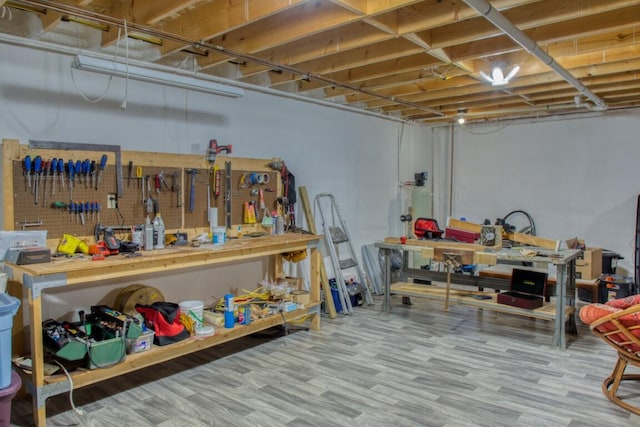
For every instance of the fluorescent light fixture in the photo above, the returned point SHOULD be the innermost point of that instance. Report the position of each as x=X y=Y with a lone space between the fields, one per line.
x=497 y=77
x=118 y=69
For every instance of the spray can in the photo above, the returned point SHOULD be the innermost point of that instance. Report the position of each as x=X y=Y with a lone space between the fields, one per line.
x=137 y=235
x=229 y=316
x=148 y=235
x=158 y=232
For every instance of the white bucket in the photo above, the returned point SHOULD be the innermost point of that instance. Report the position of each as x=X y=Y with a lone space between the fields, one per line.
x=194 y=309
x=219 y=235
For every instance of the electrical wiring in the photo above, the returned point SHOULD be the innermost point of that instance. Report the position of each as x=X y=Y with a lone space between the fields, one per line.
x=73 y=406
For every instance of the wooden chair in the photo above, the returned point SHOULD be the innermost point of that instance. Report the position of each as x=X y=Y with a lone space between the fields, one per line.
x=621 y=330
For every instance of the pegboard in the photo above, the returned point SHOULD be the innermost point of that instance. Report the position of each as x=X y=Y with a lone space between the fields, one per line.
x=52 y=211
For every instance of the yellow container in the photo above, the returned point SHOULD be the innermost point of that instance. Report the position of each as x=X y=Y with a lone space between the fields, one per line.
x=69 y=244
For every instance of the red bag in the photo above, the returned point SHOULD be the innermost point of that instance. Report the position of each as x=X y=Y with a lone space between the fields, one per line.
x=427 y=228
x=164 y=319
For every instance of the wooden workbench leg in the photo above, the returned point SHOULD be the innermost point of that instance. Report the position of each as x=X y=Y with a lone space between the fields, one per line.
x=37 y=358
x=314 y=266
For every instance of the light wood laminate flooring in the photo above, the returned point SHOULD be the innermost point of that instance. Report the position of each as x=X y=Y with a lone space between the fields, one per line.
x=419 y=366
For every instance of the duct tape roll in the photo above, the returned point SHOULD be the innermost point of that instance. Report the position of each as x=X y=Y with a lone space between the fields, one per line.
x=266 y=178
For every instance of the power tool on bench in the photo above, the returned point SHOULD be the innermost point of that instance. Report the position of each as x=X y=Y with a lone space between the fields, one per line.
x=109 y=244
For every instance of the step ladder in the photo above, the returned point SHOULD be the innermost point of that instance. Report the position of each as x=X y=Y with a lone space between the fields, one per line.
x=343 y=257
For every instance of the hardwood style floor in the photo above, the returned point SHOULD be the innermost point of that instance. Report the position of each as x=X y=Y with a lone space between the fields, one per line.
x=419 y=366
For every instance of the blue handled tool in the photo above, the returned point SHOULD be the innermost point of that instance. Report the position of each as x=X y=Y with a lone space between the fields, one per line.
x=79 y=170
x=27 y=169
x=103 y=164
x=54 y=175
x=61 y=172
x=72 y=176
x=37 y=170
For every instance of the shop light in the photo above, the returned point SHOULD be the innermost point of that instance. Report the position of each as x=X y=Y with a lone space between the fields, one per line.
x=497 y=77
x=148 y=75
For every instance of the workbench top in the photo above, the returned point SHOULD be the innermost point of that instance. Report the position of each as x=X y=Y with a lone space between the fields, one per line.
x=81 y=269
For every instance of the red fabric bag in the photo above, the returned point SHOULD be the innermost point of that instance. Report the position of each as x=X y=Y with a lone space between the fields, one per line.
x=164 y=319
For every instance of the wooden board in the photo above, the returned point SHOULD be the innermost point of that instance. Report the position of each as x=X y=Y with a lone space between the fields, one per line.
x=468 y=297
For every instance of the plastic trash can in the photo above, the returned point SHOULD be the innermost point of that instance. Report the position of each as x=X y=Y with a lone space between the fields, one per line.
x=6 y=396
x=8 y=308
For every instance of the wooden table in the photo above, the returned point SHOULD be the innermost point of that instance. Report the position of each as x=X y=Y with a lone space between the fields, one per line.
x=38 y=278
x=564 y=262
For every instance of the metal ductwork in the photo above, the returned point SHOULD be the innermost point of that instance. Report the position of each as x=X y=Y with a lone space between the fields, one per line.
x=507 y=27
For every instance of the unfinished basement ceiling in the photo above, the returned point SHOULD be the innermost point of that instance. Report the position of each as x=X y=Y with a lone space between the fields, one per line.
x=416 y=60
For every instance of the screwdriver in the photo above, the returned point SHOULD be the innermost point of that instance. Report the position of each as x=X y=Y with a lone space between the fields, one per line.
x=27 y=169
x=79 y=170
x=61 y=172
x=37 y=169
x=46 y=167
x=86 y=166
x=92 y=171
x=98 y=211
x=72 y=174
x=85 y=210
x=54 y=170
x=103 y=163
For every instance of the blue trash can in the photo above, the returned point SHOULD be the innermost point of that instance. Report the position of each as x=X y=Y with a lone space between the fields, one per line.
x=8 y=308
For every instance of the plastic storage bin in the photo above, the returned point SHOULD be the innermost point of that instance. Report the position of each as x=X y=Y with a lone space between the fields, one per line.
x=6 y=396
x=8 y=308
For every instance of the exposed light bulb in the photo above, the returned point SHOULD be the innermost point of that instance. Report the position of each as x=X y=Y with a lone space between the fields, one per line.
x=497 y=77
x=461 y=120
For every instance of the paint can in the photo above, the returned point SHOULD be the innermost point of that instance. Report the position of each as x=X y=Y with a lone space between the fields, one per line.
x=219 y=235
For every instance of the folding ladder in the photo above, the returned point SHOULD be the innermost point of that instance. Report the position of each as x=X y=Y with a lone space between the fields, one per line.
x=343 y=257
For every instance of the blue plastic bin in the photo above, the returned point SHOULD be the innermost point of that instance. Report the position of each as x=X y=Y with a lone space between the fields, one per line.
x=8 y=308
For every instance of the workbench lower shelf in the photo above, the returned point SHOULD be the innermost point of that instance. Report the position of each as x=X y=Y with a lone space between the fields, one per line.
x=471 y=298
x=158 y=354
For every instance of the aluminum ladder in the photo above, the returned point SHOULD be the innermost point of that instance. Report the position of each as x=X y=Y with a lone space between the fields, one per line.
x=343 y=257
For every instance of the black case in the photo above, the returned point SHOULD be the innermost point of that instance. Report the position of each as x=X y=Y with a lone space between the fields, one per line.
x=527 y=289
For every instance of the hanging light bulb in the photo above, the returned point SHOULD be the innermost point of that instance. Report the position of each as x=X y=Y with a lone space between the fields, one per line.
x=461 y=113
x=497 y=77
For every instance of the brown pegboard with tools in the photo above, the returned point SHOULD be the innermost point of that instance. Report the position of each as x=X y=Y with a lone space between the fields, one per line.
x=165 y=179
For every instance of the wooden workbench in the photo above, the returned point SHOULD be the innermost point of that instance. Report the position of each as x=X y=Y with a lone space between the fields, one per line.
x=37 y=278
x=564 y=261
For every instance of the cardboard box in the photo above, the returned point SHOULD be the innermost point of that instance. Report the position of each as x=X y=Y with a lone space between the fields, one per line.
x=589 y=264
x=526 y=290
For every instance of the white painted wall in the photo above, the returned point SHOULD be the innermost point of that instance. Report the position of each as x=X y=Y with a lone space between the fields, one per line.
x=360 y=159
x=575 y=177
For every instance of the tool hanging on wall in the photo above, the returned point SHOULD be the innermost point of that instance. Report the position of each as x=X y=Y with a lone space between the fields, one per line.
x=72 y=176
x=61 y=172
x=103 y=164
x=86 y=147
x=149 y=199
x=54 y=178
x=37 y=169
x=27 y=171
x=227 y=194
x=175 y=186
x=216 y=181
x=192 y=189
x=215 y=149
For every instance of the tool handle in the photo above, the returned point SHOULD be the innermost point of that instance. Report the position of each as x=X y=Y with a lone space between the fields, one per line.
x=93 y=167
x=72 y=170
x=37 y=164
x=79 y=168
x=54 y=165
x=27 y=164
x=61 y=166
x=103 y=162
